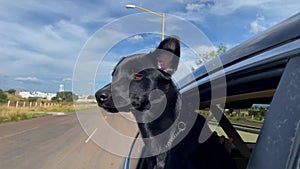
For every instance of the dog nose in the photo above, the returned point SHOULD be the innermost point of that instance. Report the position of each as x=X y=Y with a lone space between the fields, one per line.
x=102 y=96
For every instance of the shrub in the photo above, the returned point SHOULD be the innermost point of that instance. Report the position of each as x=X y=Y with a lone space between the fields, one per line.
x=3 y=97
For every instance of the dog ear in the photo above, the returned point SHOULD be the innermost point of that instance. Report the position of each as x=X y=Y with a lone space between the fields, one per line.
x=165 y=75
x=168 y=54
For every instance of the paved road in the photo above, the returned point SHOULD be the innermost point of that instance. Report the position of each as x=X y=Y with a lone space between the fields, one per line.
x=59 y=142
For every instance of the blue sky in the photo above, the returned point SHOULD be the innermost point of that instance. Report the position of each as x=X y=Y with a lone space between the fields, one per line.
x=40 y=41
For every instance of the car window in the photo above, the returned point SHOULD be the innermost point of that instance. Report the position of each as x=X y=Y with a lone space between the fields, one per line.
x=248 y=122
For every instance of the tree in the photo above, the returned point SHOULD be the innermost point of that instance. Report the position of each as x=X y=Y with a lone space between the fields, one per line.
x=11 y=91
x=3 y=97
x=65 y=96
x=210 y=55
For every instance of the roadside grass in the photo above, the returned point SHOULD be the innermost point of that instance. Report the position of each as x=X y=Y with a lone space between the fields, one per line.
x=8 y=114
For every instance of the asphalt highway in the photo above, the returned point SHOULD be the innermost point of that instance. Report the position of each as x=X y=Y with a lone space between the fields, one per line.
x=71 y=141
x=59 y=142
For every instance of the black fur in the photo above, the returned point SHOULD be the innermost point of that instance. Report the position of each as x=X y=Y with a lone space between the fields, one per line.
x=140 y=87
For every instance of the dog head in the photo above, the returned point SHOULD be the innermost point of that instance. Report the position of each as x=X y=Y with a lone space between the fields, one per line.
x=133 y=70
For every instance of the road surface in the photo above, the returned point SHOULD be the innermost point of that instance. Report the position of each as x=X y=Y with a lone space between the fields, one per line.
x=59 y=142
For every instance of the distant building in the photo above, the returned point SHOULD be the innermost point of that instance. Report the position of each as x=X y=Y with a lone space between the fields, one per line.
x=36 y=94
x=24 y=94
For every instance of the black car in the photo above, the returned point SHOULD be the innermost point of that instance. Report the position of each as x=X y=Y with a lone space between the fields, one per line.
x=264 y=70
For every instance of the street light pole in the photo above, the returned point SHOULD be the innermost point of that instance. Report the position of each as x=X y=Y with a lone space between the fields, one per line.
x=163 y=27
x=152 y=12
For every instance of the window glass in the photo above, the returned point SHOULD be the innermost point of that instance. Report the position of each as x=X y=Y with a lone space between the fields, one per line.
x=247 y=122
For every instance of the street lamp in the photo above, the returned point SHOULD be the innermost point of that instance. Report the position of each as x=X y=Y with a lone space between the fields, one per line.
x=129 y=6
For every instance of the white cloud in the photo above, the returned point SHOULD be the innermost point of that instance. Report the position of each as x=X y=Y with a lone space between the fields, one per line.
x=67 y=80
x=66 y=29
x=205 y=49
x=226 y=7
x=43 y=38
x=28 y=79
x=194 y=7
x=52 y=47
x=277 y=10
x=257 y=26
x=190 y=58
x=136 y=38
x=75 y=11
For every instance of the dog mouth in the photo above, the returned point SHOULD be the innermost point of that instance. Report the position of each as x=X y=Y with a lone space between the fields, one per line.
x=113 y=109
x=139 y=103
x=108 y=108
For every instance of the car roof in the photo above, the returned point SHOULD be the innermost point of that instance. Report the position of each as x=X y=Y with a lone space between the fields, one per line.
x=280 y=34
x=245 y=61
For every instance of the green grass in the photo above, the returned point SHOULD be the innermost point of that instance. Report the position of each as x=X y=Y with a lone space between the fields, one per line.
x=20 y=116
x=8 y=114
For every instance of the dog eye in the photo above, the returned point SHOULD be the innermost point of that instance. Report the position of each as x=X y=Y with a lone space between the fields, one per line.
x=137 y=76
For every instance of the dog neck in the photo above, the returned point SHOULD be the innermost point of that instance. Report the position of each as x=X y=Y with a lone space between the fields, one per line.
x=150 y=131
x=165 y=119
x=159 y=125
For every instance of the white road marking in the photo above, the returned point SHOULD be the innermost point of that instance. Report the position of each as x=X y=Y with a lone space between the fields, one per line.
x=21 y=132
x=88 y=139
x=56 y=113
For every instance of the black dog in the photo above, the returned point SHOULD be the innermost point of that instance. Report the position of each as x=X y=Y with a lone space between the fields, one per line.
x=142 y=84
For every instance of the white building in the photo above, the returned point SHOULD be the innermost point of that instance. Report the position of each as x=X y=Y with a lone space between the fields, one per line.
x=36 y=94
